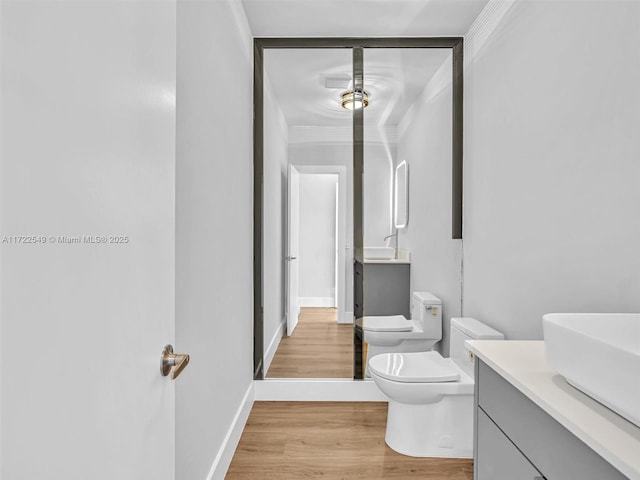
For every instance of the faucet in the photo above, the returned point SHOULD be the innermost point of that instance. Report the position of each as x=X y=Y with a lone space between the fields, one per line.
x=396 y=246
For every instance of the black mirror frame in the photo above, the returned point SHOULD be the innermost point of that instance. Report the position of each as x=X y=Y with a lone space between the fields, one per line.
x=357 y=45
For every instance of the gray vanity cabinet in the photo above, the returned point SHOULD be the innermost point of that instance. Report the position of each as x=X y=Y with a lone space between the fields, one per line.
x=515 y=439
x=498 y=458
x=386 y=289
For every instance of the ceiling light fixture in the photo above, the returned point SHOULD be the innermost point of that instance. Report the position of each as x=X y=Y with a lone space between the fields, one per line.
x=352 y=99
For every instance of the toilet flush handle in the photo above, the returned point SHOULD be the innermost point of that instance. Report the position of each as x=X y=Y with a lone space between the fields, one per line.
x=173 y=363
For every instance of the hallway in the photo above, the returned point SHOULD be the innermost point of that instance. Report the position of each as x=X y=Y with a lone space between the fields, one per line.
x=319 y=348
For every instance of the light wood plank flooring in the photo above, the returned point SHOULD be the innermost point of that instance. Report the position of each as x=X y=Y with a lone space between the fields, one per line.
x=319 y=348
x=329 y=440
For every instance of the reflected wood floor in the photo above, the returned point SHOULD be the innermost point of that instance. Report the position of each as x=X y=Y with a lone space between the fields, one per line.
x=329 y=440
x=320 y=347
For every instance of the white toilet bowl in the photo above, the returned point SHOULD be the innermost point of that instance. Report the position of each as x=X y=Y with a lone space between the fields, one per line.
x=395 y=334
x=430 y=397
x=431 y=404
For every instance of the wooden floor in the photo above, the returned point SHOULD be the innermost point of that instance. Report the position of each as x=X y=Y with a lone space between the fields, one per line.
x=329 y=440
x=319 y=348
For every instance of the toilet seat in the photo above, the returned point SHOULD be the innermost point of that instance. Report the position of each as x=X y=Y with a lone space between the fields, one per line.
x=391 y=323
x=418 y=367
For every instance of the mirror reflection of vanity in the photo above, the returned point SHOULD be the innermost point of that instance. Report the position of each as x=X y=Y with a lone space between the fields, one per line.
x=387 y=270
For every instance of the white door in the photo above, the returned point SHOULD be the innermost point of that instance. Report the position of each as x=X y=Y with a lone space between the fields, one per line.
x=87 y=228
x=293 y=219
x=336 y=292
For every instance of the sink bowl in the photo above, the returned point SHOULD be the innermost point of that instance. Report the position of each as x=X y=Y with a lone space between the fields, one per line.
x=599 y=354
x=379 y=253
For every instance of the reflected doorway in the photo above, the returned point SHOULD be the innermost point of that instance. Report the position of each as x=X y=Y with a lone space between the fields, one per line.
x=319 y=329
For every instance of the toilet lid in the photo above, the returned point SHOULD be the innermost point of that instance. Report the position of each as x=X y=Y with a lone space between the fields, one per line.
x=418 y=367
x=393 y=323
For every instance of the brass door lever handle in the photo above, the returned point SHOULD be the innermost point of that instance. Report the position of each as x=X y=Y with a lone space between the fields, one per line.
x=172 y=362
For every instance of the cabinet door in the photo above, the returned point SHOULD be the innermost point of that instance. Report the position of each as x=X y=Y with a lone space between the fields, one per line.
x=387 y=289
x=498 y=458
x=546 y=444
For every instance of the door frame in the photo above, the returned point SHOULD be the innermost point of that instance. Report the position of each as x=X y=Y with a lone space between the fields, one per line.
x=292 y=309
x=343 y=254
x=355 y=44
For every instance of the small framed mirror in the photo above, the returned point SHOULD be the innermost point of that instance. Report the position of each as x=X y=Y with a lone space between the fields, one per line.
x=401 y=213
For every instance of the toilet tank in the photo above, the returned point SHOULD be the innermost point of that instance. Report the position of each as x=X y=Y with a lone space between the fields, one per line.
x=426 y=310
x=467 y=328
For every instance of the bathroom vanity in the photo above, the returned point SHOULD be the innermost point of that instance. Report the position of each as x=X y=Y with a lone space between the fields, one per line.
x=530 y=424
x=388 y=290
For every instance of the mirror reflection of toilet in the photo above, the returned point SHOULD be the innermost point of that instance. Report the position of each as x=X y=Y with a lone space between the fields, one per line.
x=431 y=397
x=397 y=334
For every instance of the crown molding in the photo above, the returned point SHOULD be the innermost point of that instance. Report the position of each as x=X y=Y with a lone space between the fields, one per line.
x=340 y=134
x=483 y=27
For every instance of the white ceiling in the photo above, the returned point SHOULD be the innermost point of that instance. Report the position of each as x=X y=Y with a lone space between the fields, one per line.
x=361 y=18
x=394 y=78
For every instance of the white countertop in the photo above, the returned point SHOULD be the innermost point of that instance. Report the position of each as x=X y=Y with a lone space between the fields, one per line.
x=404 y=257
x=523 y=364
x=390 y=261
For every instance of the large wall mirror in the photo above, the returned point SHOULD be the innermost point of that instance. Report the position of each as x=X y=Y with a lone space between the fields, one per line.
x=339 y=123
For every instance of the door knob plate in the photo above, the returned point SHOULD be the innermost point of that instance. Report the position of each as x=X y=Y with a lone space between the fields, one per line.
x=165 y=365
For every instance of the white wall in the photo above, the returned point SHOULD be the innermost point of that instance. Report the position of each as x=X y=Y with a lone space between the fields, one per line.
x=275 y=221
x=377 y=188
x=317 y=250
x=214 y=240
x=552 y=177
x=424 y=142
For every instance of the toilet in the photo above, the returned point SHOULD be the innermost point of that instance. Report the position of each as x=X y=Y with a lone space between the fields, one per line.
x=431 y=397
x=397 y=334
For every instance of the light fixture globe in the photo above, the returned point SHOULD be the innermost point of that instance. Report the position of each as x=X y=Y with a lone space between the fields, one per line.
x=352 y=99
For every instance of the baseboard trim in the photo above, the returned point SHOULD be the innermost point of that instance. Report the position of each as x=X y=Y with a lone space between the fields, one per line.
x=348 y=318
x=273 y=345
x=318 y=390
x=230 y=443
x=316 y=302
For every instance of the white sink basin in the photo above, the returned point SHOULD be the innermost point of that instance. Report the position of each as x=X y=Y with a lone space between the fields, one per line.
x=599 y=354
x=379 y=253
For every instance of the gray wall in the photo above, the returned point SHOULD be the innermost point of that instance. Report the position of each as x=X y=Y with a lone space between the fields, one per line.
x=214 y=246
x=552 y=170
x=424 y=142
